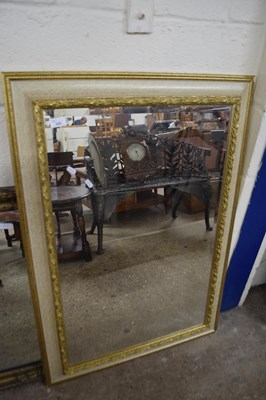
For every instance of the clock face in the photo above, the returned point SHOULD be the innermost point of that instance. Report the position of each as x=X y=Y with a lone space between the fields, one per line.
x=136 y=152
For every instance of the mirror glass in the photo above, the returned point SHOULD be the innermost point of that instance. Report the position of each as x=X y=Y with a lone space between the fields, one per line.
x=149 y=178
x=18 y=336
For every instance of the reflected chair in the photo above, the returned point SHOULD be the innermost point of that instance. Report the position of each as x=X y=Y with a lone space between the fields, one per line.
x=9 y=216
x=9 y=220
x=58 y=163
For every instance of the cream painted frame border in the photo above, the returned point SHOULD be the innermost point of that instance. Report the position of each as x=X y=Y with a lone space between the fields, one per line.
x=25 y=96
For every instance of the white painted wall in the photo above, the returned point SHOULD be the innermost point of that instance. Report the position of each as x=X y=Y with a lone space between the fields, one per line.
x=255 y=149
x=201 y=36
x=188 y=36
x=260 y=272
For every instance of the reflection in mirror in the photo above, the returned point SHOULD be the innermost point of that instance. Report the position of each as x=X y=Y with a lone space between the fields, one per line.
x=149 y=179
x=18 y=337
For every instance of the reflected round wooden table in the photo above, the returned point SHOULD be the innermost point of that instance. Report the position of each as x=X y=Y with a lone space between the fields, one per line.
x=75 y=244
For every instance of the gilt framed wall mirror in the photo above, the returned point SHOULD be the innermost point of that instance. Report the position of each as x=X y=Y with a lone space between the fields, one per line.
x=128 y=185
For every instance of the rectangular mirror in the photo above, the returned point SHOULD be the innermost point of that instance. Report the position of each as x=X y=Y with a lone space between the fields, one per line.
x=129 y=184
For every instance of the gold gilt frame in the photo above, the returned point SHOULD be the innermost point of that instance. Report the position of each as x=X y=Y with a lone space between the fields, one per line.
x=26 y=96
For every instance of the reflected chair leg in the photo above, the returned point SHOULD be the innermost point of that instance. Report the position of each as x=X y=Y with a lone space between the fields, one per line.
x=207 y=193
x=81 y=223
x=167 y=198
x=100 y=238
x=204 y=192
x=96 y=222
x=18 y=236
x=58 y=228
x=207 y=217
x=8 y=238
x=22 y=248
x=97 y=202
x=99 y=221
x=176 y=197
x=58 y=223
x=216 y=208
x=93 y=226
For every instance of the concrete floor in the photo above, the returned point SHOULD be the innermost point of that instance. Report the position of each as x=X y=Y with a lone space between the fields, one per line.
x=151 y=280
x=227 y=365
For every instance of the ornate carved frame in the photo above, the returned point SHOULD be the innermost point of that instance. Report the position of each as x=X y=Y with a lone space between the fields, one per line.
x=26 y=95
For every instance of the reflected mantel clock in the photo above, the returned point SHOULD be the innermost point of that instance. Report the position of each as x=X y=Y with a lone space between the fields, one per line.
x=138 y=158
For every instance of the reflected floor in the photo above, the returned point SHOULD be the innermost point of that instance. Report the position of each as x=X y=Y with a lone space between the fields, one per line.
x=152 y=280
